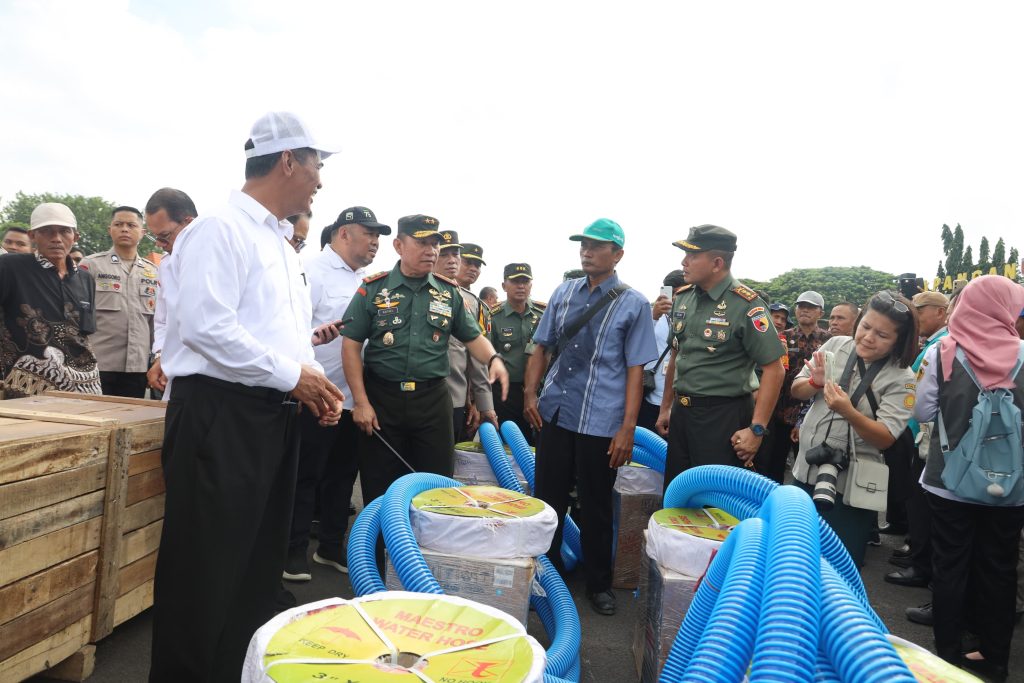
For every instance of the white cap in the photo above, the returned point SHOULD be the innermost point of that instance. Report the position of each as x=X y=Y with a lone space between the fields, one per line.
x=277 y=131
x=52 y=213
x=812 y=298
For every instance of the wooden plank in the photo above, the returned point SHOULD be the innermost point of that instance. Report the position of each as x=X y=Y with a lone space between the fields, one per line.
x=148 y=436
x=35 y=591
x=45 y=653
x=133 y=603
x=108 y=399
x=142 y=513
x=39 y=624
x=36 y=523
x=39 y=492
x=76 y=668
x=111 y=536
x=145 y=485
x=62 y=418
x=136 y=574
x=143 y=462
x=41 y=456
x=40 y=553
x=141 y=542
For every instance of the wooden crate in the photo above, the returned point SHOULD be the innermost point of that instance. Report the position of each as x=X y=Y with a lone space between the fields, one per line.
x=81 y=505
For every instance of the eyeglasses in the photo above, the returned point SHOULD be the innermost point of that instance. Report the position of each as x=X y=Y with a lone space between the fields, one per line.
x=887 y=300
x=298 y=243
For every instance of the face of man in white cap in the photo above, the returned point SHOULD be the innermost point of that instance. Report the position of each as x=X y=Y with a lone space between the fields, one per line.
x=809 y=307
x=54 y=231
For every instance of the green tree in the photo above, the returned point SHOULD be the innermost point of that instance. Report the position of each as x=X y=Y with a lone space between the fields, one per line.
x=835 y=284
x=941 y=272
x=999 y=256
x=947 y=239
x=955 y=252
x=92 y=214
x=983 y=255
x=967 y=265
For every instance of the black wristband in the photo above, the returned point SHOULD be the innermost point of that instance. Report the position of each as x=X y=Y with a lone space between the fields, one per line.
x=491 y=359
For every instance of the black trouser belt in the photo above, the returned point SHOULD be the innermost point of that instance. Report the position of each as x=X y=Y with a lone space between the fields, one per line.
x=265 y=393
x=707 y=401
x=406 y=386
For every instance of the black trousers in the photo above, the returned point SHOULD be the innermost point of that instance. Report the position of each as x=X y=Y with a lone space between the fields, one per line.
x=974 y=577
x=648 y=415
x=229 y=458
x=130 y=384
x=900 y=458
x=565 y=458
x=417 y=424
x=511 y=410
x=458 y=423
x=701 y=434
x=774 y=452
x=328 y=464
x=919 y=520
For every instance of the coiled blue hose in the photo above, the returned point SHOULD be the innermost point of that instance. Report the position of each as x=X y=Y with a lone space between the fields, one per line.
x=572 y=543
x=642 y=456
x=652 y=443
x=810 y=624
x=742 y=493
x=389 y=515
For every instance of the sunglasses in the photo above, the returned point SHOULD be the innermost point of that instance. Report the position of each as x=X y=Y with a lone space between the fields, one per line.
x=889 y=302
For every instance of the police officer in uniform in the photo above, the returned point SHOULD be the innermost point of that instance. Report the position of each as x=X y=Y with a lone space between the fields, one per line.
x=721 y=330
x=126 y=286
x=513 y=322
x=467 y=383
x=406 y=317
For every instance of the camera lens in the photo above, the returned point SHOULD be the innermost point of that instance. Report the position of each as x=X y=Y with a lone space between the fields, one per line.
x=824 y=495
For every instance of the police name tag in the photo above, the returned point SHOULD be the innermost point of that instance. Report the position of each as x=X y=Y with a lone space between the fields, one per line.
x=441 y=308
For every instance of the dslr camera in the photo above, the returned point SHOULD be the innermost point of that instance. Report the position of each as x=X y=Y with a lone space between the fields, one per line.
x=830 y=461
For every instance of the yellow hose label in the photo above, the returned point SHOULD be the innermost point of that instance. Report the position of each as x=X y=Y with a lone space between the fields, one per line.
x=710 y=523
x=928 y=668
x=478 y=501
x=336 y=643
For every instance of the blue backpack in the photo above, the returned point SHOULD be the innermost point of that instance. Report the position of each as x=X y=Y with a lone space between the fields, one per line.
x=987 y=466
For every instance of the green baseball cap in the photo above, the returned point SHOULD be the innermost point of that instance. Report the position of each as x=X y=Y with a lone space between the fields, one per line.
x=602 y=230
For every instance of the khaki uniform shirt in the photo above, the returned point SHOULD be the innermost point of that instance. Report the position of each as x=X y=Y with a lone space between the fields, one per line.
x=463 y=366
x=720 y=336
x=512 y=335
x=406 y=323
x=125 y=304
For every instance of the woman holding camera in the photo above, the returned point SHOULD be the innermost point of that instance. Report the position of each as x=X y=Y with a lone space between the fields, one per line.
x=974 y=544
x=860 y=406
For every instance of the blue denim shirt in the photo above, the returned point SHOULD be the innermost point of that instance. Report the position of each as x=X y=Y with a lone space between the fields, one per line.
x=586 y=385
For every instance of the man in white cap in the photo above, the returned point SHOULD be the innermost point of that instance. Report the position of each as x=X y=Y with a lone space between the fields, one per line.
x=239 y=359
x=48 y=312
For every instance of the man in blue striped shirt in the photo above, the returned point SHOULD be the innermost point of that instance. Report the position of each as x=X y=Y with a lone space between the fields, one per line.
x=591 y=397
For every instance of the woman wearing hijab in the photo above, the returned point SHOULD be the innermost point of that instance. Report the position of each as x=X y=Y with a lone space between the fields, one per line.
x=974 y=546
x=882 y=347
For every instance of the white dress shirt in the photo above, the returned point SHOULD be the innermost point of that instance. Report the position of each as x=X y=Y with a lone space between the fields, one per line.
x=239 y=309
x=332 y=284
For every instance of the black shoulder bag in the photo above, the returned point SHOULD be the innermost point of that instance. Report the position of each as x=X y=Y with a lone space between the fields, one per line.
x=649 y=385
x=569 y=332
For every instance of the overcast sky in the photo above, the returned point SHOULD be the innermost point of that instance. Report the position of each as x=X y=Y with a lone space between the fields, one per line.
x=822 y=133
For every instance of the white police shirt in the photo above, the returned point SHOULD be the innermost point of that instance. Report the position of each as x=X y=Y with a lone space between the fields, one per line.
x=239 y=309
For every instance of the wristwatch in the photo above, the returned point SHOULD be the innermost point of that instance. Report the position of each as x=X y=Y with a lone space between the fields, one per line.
x=759 y=430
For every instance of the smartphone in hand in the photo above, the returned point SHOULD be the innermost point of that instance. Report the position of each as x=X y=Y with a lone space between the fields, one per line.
x=667 y=291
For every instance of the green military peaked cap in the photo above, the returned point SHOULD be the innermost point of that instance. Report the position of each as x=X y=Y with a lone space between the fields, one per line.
x=708 y=237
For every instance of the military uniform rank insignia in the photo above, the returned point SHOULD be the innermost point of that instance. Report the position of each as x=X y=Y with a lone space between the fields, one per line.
x=707 y=333
x=389 y=339
x=720 y=335
x=678 y=326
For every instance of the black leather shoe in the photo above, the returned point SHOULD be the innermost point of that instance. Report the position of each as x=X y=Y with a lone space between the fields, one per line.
x=899 y=561
x=603 y=602
x=991 y=672
x=892 y=529
x=921 y=615
x=902 y=551
x=908 y=577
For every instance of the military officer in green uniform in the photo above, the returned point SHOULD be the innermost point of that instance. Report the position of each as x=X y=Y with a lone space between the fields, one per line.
x=721 y=331
x=398 y=382
x=512 y=324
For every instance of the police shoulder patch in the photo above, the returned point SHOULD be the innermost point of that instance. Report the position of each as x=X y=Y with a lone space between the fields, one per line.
x=744 y=292
x=496 y=308
x=376 y=276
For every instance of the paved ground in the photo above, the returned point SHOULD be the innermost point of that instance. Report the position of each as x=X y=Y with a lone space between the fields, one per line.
x=606 y=656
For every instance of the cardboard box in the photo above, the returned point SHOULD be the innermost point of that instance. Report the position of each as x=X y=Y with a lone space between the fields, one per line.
x=473 y=469
x=81 y=504
x=502 y=584
x=630 y=514
x=664 y=598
